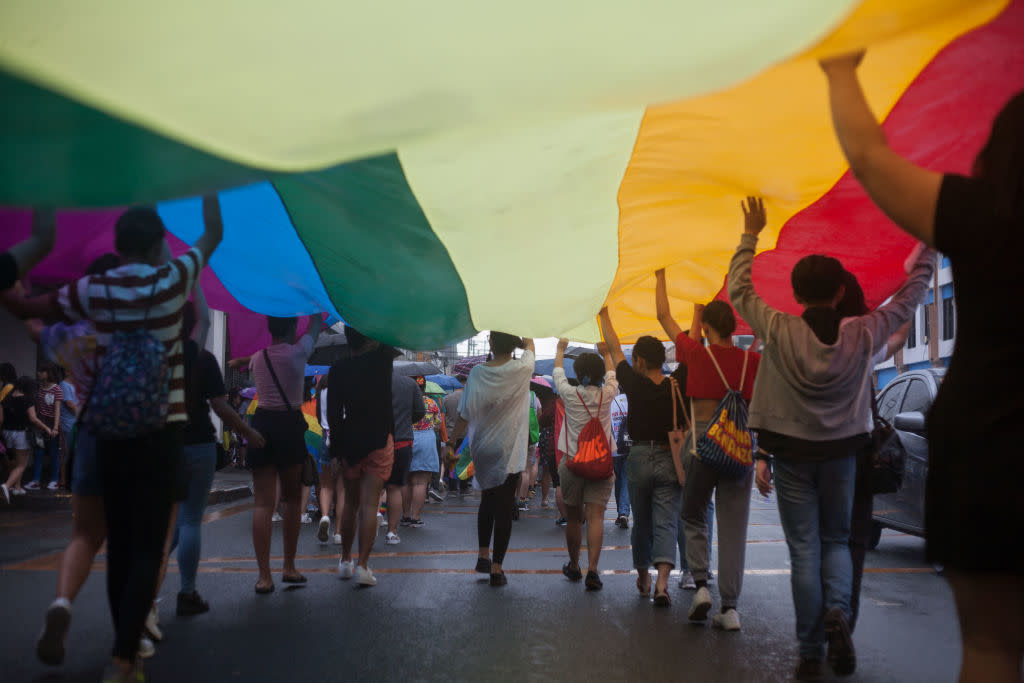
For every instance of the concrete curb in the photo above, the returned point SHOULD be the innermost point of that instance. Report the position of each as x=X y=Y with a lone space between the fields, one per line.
x=61 y=501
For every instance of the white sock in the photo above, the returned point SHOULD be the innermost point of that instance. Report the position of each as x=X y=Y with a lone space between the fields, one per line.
x=62 y=602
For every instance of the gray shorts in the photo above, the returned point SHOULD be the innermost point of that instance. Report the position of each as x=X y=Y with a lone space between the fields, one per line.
x=577 y=491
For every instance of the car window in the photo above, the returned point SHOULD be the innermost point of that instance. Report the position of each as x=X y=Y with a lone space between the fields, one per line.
x=889 y=400
x=918 y=399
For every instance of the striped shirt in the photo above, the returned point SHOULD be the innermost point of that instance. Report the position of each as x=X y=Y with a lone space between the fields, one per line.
x=130 y=287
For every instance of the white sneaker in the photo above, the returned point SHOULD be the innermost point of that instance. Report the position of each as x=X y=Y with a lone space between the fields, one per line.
x=53 y=486
x=346 y=569
x=6 y=493
x=728 y=621
x=701 y=605
x=364 y=577
x=276 y=517
x=146 y=648
x=686 y=581
x=306 y=519
x=392 y=538
x=381 y=520
x=323 y=530
x=337 y=539
x=152 y=625
x=50 y=646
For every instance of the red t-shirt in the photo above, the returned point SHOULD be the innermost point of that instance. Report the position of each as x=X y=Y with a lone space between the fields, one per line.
x=702 y=380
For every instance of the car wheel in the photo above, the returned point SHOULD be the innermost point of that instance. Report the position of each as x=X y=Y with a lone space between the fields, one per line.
x=876 y=535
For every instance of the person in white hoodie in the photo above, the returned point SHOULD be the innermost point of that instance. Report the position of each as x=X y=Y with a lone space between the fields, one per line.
x=811 y=410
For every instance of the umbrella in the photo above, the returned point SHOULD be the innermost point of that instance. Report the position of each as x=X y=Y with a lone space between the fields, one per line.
x=433 y=388
x=411 y=368
x=541 y=386
x=314 y=370
x=444 y=381
x=464 y=366
x=248 y=392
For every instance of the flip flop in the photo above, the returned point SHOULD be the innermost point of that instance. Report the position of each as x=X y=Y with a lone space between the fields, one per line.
x=264 y=590
x=294 y=579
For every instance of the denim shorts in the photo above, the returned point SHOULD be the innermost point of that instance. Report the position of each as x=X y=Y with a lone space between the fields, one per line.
x=85 y=475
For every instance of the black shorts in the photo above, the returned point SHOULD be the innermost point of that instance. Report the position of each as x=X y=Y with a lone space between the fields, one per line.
x=400 y=470
x=284 y=432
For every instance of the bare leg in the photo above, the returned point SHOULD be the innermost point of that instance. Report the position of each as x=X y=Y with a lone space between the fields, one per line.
x=370 y=492
x=574 y=533
x=991 y=611
x=394 y=508
x=20 y=464
x=349 y=514
x=545 y=486
x=291 y=492
x=595 y=534
x=264 y=480
x=664 y=569
x=328 y=483
x=407 y=498
x=304 y=498
x=524 y=483
x=563 y=511
x=88 y=529
x=418 y=493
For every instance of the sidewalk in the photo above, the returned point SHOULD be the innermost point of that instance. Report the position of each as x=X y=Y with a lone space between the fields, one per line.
x=229 y=484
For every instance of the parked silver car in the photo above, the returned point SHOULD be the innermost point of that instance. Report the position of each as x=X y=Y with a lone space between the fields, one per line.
x=905 y=402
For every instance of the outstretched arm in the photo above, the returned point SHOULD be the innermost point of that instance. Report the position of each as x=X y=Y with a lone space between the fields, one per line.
x=741 y=287
x=611 y=338
x=214 y=227
x=698 y=318
x=664 y=308
x=906 y=192
x=528 y=345
x=202 y=330
x=28 y=253
x=602 y=349
x=563 y=344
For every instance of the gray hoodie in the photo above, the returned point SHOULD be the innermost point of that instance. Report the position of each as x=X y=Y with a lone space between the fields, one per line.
x=808 y=389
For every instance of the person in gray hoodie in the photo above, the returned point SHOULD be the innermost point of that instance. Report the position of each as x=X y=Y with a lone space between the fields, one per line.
x=811 y=410
x=407 y=403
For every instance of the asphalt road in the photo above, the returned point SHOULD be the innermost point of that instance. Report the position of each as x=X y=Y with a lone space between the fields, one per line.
x=431 y=618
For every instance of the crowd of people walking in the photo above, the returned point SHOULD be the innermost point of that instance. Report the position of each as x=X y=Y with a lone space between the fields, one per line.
x=126 y=375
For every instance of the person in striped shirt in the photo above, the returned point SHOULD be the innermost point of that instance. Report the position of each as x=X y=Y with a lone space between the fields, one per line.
x=138 y=474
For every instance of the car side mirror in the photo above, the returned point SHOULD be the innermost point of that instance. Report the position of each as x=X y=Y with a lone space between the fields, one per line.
x=910 y=422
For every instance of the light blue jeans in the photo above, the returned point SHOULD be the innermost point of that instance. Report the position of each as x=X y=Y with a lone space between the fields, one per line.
x=621 y=485
x=654 y=492
x=815 y=504
x=200 y=463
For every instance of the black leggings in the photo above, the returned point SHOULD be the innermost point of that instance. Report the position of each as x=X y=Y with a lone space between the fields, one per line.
x=140 y=479
x=497 y=506
x=860 y=525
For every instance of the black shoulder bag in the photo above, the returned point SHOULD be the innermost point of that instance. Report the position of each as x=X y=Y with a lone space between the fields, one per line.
x=310 y=474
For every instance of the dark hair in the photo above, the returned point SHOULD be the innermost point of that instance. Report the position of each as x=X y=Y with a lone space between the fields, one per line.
x=502 y=342
x=461 y=378
x=356 y=339
x=589 y=367
x=719 y=316
x=651 y=350
x=1001 y=161
x=188 y=319
x=816 y=278
x=8 y=375
x=280 y=328
x=853 y=302
x=26 y=385
x=52 y=373
x=102 y=264
x=137 y=231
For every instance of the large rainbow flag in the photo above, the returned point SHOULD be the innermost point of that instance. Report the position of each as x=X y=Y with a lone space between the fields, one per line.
x=426 y=170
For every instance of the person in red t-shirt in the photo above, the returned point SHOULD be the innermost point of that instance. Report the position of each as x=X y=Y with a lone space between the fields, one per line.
x=705 y=367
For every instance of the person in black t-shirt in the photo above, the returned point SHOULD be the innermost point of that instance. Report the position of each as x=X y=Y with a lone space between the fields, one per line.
x=973 y=505
x=17 y=417
x=654 y=485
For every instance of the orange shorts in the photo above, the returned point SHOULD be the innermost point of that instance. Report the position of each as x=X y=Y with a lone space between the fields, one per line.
x=378 y=463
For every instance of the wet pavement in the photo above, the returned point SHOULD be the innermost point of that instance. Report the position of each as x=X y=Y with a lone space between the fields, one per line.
x=431 y=618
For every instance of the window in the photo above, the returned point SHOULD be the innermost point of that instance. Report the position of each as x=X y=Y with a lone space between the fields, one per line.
x=948 y=319
x=912 y=337
x=918 y=398
x=889 y=400
x=926 y=323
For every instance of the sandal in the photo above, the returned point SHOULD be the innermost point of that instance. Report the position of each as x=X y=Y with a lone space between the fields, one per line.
x=662 y=600
x=571 y=573
x=298 y=578
x=264 y=590
x=645 y=592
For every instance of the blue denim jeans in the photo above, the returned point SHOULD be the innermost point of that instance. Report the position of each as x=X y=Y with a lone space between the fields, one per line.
x=51 y=449
x=654 y=493
x=200 y=464
x=815 y=504
x=621 y=485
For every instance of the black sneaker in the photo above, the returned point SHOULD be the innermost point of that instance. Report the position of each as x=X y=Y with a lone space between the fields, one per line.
x=841 y=656
x=416 y=523
x=594 y=582
x=405 y=521
x=571 y=573
x=190 y=604
x=483 y=565
x=809 y=669
x=622 y=522
x=561 y=521
x=499 y=579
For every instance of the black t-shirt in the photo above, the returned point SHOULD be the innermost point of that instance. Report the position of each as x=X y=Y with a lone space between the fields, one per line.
x=983 y=386
x=203 y=381
x=359 y=410
x=650 y=405
x=16 y=413
x=8 y=271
